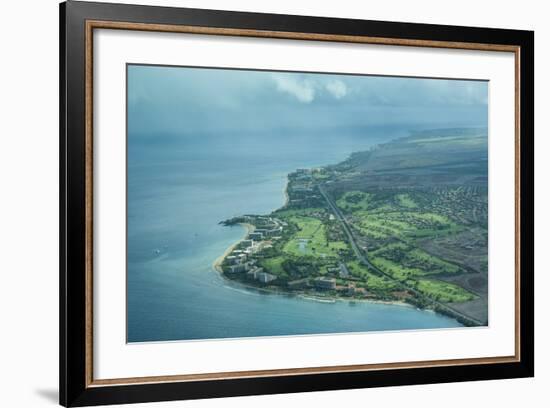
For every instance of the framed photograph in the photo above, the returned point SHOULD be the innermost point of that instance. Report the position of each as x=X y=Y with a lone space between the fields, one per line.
x=256 y=203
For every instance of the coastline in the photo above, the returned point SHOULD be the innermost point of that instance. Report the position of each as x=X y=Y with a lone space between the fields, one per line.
x=249 y=228
x=285 y=192
x=314 y=297
x=310 y=295
x=217 y=264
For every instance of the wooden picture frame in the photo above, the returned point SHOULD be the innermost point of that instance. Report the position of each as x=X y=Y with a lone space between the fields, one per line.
x=78 y=20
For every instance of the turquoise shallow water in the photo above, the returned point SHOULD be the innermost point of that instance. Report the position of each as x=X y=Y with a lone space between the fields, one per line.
x=179 y=188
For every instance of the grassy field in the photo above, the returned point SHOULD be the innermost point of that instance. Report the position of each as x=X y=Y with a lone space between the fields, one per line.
x=298 y=212
x=311 y=239
x=385 y=222
x=354 y=201
x=417 y=210
x=405 y=200
x=373 y=282
x=382 y=226
x=395 y=223
x=422 y=262
x=396 y=270
x=443 y=291
x=274 y=265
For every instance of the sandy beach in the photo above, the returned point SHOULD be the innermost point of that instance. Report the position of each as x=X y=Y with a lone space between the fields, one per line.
x=217 y=265
x=311 y=296
x=249 y=228
x=285 y=192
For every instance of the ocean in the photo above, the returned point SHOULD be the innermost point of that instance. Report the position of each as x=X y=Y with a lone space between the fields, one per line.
x=180 y=186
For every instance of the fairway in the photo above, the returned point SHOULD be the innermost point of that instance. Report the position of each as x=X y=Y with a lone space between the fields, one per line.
x=443 y=291
x=393 y=225
x=311 y=239
x=397 y=223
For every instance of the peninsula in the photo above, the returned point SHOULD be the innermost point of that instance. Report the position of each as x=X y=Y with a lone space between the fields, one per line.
x=405 y=221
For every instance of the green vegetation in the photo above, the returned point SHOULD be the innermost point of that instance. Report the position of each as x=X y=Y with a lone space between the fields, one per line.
x=354 y=201
x=404 y=200
x=442 y=291
x=409 y=257
x=373 y=282
x=406 y=221
x=396 y=270
x=311 y=239
x=274 y=265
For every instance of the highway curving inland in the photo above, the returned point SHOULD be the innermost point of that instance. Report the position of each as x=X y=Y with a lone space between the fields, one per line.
x=364 y=260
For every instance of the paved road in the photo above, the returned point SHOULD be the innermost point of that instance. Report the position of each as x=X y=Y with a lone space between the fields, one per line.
x=364 y=260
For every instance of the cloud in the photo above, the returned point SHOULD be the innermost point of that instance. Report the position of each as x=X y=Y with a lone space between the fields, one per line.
x=176 y=100
x=337 y=88
x=307 y=89
x=302 y=89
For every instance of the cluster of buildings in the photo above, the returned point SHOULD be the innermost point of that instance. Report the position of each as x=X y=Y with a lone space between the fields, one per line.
x=236 y=261
x=320 y=283
x=329 y=283
x=253 y=272
x=258 y=274
x=260 y=234
x=239 y=260
x=241 y=263
x=301 y=189
x=324 y=283
x=348 y=289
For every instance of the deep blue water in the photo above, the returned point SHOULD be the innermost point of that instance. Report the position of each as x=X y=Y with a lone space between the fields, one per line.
x=179 y=188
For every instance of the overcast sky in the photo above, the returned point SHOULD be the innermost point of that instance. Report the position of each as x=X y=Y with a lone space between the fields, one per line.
x=174 y=100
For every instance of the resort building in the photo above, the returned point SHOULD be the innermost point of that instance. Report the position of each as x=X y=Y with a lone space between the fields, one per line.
x=325 y=283
x=246 y=243
x=298 y=284
x=232 y=259
x=265 y=277
x=274 y=232
x=253 y=273
x=259 y=275
x=237 y=268
x=256 y=236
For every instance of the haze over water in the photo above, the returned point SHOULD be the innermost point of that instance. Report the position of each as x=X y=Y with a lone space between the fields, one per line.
x=195 y=160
